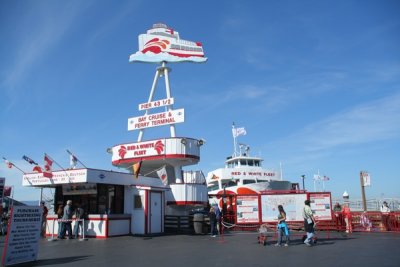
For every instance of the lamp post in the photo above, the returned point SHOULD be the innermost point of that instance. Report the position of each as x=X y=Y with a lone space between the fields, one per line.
x=303 y=177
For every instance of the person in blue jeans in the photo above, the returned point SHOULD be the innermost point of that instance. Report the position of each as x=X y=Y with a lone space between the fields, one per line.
x=79 y=215
x=309 y=222
x=218 y=215
x=60 y=213
x=283 y=229
x=213 y=222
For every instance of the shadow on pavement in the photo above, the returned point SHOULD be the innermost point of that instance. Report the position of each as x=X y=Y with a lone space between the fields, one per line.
x=45 y=262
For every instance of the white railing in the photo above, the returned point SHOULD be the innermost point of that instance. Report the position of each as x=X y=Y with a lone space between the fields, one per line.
x=372 y=204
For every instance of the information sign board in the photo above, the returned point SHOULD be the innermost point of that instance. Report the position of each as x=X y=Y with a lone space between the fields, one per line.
x=247 y=209
x=23 y=235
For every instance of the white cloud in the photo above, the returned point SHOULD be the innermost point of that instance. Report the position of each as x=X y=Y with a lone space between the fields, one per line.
x=370 y=122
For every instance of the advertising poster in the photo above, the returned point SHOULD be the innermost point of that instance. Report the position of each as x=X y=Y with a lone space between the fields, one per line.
x=321 y=206
x=247 y=209
x=21 y=244
x=292 y=204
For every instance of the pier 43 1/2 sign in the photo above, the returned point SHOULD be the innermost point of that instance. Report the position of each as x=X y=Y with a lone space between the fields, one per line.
x=156 y=119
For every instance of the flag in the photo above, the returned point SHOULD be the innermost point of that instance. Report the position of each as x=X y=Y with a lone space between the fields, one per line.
x=29 y=160
x=317 y=177
x=8 y=163
x=238 y=131
x=162 y=173
x=214 y=177
x=37 y=169
x=136 y=169
x=72 y=161
x=47 y=167
x=366 y=179
x=325 y=178
x=7 y=191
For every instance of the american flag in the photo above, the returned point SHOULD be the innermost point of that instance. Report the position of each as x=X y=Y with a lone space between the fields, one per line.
x=29 y=160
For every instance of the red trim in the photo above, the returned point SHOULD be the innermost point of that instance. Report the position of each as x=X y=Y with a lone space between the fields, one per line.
x=180 y=203
x=160 y=157
x=169 y=138
x=184 y=55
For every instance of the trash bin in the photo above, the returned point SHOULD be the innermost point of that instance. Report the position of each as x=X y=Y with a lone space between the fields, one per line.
x=198 y=222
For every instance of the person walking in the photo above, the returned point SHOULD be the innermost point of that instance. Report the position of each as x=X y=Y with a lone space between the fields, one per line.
x=213 y=222
x=282 y=227
x=309 y=222
x=347 y=218
x=67 y=220
x=218 y=216
x=79 y=215
x=337 y=209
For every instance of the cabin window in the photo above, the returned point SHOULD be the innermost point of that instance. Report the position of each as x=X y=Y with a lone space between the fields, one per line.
x=246 y=181
x=212 y=187
x=243 y=162
x=229 y=183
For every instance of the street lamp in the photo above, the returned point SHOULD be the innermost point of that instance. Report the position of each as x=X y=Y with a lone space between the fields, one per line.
x=303 y=177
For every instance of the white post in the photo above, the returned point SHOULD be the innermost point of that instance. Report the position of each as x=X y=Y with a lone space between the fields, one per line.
x=83 y=231
x=168 y=92
x=52 y=234
x=153 y=87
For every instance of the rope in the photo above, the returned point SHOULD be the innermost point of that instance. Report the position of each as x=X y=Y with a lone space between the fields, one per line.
x=231 y=225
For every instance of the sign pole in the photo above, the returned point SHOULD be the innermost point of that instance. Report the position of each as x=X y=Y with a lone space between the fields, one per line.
x=363 y=191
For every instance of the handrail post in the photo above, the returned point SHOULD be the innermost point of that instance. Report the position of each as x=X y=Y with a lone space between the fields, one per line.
x=52 y=234
x=83 y=230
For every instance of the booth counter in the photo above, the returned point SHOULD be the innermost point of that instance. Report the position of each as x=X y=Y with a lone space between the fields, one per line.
x=96 y=225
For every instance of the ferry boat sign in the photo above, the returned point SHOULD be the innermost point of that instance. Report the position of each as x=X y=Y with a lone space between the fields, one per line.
x=156 y=119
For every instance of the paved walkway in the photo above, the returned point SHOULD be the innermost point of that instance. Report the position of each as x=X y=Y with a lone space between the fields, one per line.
x=234 y=249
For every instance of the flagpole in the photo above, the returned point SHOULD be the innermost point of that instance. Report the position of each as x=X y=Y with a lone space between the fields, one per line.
x=234 y=139
x=14 y=165
x=69 y=152
x=155 y=170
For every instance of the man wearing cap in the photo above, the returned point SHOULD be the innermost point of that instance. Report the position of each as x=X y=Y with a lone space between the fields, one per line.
x=67 y=220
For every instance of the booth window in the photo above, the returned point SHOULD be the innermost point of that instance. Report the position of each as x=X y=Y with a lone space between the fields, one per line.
x=106 y=199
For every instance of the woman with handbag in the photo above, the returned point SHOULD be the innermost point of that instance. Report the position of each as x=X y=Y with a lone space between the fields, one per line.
x=282 y=227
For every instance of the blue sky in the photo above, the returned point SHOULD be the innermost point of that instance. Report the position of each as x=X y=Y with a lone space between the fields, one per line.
x=316 y=84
